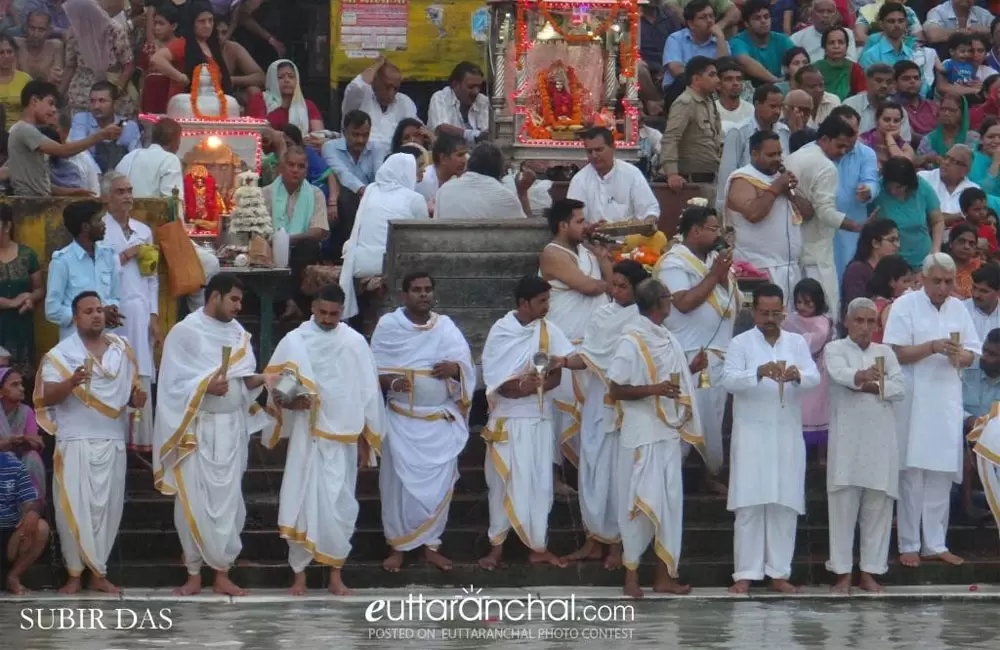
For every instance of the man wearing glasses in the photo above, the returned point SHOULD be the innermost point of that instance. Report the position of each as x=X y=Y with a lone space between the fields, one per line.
x=950 y=180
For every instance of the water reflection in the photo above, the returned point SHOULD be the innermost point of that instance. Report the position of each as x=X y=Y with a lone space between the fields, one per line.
x=706 y=625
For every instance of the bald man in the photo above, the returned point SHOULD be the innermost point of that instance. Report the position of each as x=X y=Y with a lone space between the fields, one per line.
x=796 y=114
x=376 y=92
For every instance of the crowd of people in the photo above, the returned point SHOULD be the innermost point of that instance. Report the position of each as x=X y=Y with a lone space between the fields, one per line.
x=838 y=157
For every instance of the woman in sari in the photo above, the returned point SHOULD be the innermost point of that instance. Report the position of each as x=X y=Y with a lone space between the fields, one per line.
x=282 y=101
x=198 y=44
x=841 y=76
x=885 y=138
x=963 y=246
x=97 y=49
x=985 y=170
x=952 y=129
x=19 y=430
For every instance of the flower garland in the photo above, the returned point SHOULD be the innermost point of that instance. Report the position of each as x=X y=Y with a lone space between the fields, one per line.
x=626 y=54
x=576 y=91
x=214 y=73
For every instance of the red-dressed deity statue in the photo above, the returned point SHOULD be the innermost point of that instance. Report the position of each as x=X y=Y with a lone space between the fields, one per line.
x=203 y=205
x=559 y=94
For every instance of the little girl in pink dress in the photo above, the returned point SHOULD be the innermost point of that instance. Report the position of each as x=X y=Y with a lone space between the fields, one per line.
x=810 y=320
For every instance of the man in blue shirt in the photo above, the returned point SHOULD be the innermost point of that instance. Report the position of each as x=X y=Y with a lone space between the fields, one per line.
x=107 y=155
x=857 y=186
x=702 y=37
x=758 y=49
x=895 y=44
x=23 y=532
x=87 y=264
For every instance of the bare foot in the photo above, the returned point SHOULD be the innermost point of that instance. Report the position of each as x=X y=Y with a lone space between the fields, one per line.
x=911 y=560
x=947 y=557
x=667 y=585
x=843 y=585
x=72 y=586
x=433 y=557
x=223 y=585
x=783 y=586
x=614 y=559
x=491 y=561
x=337 y=586
x=869 y=584
x=393 y=562
x=189 y=588
x=740 y=587
x=546 y=557
x=298 y=587
x=15 y=587
x=103 y=585
x=590 y=550
x=632 y=589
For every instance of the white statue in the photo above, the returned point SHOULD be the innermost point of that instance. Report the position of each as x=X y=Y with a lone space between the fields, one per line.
x=207 y=104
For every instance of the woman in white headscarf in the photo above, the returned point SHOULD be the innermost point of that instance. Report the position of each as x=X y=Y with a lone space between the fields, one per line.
x=391 y=197
x=97 y=49
x=284 y=101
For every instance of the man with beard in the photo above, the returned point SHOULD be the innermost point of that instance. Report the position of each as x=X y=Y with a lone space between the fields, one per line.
x=206 y=395
x=139 y=291
x=461 y=109
x=425 y=367
x=815 y=167
x=649 y=376
x=922 y=329
x=107 y=155
x=87 y=264
x=333 y=423
x=980 y=391
x=376 y=92
x=767 y=371
x=82 y=392
x=985 y=300
x=765 y=213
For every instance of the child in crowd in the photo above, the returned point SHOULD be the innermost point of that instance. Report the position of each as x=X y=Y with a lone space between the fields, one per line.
x=811 y=321
x=973 y=203
x=959 y=69
x=893 y=277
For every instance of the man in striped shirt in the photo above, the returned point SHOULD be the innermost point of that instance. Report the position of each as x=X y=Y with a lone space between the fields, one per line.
x=23 y=532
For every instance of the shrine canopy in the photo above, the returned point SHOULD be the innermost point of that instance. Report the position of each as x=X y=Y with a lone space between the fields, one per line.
x=559 y=67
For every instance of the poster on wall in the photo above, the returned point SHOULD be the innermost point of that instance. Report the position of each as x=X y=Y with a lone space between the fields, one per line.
x=424 y=38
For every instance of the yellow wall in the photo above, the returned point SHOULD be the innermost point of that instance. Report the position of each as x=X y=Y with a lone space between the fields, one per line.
x=427 y=57
x=38 y=224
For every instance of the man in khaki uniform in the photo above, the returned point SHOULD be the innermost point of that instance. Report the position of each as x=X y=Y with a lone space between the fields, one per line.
x=692 y=142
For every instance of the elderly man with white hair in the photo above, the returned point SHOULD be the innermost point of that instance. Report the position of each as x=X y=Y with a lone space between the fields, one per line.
x=934 y=338
x=949 y=181
x=862 y=475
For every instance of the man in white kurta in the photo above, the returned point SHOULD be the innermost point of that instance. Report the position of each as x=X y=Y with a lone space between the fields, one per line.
x=767 y=370
x=862 y=472
x=920 y=329
x=519 y=432
x=984 y=305
x=202 y=431
x=425 y=366
x=87 y=413
x=706 y=300
x=138 y=294
x=649 y=376
x=579 y=275
x=986 y=438
x=337 y=419
x=611 y=190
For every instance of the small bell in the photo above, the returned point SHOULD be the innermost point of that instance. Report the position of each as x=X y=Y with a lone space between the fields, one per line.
x=704 y=381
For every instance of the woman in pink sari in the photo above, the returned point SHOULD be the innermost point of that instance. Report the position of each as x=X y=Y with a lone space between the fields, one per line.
x=810 y=320
x=18 y=429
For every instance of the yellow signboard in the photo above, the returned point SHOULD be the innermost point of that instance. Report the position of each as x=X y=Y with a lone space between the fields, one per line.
x=438 y=35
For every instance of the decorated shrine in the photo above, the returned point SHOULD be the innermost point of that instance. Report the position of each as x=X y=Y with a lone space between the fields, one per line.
x=560 y=66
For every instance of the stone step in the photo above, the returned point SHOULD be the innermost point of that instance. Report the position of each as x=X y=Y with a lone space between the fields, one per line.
x=468 y=543
x=700 y=573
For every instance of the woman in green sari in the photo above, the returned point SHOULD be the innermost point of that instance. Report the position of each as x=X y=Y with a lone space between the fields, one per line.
x=952 y=129
x=985 y=170
x=841 y=76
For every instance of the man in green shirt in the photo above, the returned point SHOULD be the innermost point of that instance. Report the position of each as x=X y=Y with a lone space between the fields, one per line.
x=758 y=49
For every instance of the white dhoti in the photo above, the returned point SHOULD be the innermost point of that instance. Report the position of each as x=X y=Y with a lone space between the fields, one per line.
x=209 y=511
x=651 y=507
x=987 y=450
x=600 y=441
x=871 y=511
x=519 y=477
x=89 y=492
x=141 y=431
x=764 y=542
x=924 y=505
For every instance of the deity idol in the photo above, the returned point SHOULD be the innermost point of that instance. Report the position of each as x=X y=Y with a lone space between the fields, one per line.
x=559 y=94
x=203 y=205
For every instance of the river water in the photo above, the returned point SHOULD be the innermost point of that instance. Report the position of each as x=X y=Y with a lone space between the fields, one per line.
x=871 y=624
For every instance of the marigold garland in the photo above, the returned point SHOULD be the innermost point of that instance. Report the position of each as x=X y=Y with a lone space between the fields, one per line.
x=215 y=74
x=576 y=92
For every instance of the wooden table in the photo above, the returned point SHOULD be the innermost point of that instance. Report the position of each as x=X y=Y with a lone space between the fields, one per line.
x=264 y=283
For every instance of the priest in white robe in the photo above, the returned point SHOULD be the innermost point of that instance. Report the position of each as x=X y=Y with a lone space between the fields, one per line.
x=138 y=292
x=862 y=472
x=601 y=419
x=425 y=367
x=579 y=274
x=767 y=370
x=84 y=388
x=649 y=376
x=923 y=328
x=335 y=422
x=519 y=432
x=207 y=392
x=986 y=440
x=706 y=300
